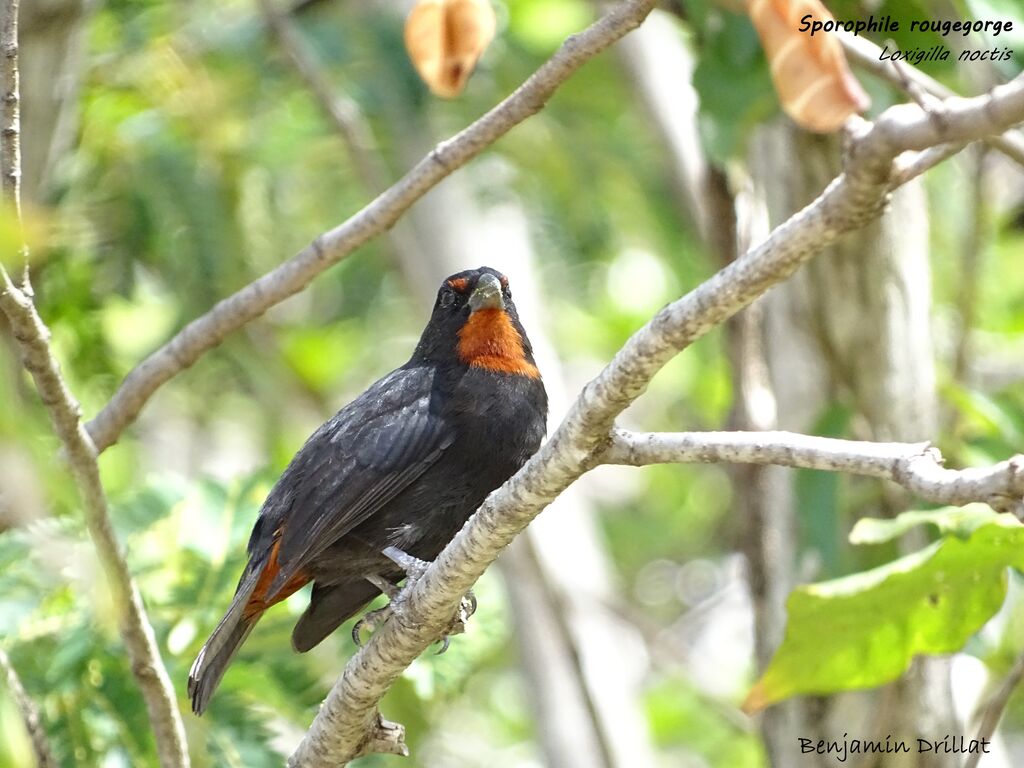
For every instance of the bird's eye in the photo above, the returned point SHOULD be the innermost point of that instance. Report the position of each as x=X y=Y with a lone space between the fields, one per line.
x=447 y=297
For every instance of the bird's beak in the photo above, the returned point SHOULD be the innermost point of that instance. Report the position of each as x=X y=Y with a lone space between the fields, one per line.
x=487 y=294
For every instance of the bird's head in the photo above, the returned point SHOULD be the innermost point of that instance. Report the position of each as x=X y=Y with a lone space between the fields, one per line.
x=475 y=323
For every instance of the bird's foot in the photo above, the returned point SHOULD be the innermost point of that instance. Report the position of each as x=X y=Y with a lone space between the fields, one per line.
x=375 y=618
x=414 y=569
x=413 y=566
x=370 y=621
x=467 y=607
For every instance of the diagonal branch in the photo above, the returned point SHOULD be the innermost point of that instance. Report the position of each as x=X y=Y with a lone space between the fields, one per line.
x=29 y=714
x=346 y=720
x=918 y=467
x=136 y=631
x=230 y=314
x=32 y=337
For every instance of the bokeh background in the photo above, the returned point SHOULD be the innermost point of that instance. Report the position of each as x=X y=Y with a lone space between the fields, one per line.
x=173 y=154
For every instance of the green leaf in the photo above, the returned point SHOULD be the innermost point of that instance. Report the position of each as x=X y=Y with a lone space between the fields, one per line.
x=863 y=630
x=951 y=521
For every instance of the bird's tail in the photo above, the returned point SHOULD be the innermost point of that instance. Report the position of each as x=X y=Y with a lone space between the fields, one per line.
x=215 y=655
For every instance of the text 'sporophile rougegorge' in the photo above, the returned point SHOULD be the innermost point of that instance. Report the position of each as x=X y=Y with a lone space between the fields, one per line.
x=972 y=31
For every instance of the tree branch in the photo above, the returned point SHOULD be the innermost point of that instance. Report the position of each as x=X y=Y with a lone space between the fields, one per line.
x=10 y=122
x=29 y=714
x=866 y=55
x=345 y=720
x=10 y=152
x=913 y=164
x=32 y=337
x=918 y=467
x=230 y=314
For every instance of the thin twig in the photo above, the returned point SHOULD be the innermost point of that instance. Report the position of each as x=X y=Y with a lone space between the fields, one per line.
x=346 y=719
x=32 y=337
x=29 y=714
x=10 y=122
x=994 y=709
x=913 y=164
x=10 y=153
x=866 y=55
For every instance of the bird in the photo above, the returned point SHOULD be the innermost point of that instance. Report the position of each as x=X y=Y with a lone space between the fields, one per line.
x=385 y=483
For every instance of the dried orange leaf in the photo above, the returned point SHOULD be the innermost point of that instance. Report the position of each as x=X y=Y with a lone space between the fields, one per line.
x=810 y=73
x=445 y=38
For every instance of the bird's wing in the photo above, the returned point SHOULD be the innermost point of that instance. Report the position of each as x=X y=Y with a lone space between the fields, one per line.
x=370 y=451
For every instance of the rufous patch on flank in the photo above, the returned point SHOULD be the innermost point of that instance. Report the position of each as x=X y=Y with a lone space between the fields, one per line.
x=489 y=340
x=459 y=284
x=260 y=600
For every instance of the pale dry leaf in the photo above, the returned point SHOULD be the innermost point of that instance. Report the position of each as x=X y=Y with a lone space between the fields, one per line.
x=445 y=38
x=811 y=76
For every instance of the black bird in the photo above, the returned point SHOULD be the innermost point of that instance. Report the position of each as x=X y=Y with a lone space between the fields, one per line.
x=393 y=475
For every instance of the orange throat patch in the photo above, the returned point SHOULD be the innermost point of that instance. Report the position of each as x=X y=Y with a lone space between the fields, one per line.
x=489 y=340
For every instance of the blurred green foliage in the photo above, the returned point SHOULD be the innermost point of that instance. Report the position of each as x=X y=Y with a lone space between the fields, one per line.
x=201 y=162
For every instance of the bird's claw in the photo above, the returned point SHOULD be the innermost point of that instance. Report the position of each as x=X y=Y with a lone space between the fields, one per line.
x=376 y=618
x=371 y=620
x=467 y=607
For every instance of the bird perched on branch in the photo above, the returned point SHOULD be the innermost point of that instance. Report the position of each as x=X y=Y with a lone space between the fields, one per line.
x=387 y=482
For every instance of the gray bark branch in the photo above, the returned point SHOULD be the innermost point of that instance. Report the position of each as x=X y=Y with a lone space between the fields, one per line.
x=29 y=715
x=918 y=467
x=10 y=120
